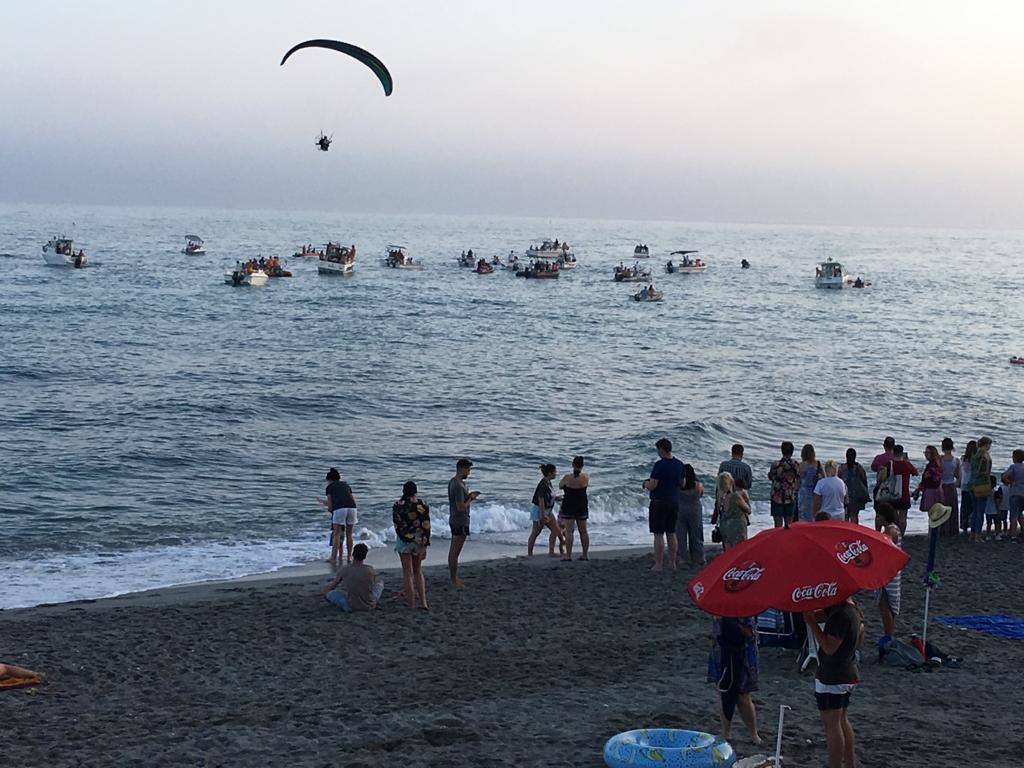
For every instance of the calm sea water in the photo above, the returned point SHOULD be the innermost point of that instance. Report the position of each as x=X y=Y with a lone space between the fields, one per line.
x=160 y=427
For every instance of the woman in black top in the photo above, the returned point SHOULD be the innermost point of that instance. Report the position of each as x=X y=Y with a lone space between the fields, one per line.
x=543 y=515
x=342 y=505
x=575 y=509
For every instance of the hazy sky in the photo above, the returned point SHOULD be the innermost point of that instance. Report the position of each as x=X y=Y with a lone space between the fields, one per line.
x=817 y=112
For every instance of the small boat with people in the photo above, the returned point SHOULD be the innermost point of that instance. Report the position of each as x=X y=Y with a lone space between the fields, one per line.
x=247 y=274
x=567 y=261
x=512 y=263
x=60 y=252
x=633 y=274
x=549 y=249
x=483 y=267
x=648 y=293
x=687 y=265
x=193 y=246
x=1015 y=360
x=398 y=259
x=540 y=270
x=272 y=266
x=467 y=259
x=308 y=251
x=829 y=275
x=744 y=264
x=641 y=251
x=337 y=260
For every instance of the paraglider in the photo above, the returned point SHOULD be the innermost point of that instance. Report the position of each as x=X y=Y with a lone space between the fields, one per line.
x=324 y=141
x=357 y=53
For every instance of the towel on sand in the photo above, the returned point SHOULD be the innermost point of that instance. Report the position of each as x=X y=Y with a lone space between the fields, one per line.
x=995 y=624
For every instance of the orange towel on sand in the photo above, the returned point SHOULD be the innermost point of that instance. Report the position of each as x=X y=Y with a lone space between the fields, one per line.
x=16 y=677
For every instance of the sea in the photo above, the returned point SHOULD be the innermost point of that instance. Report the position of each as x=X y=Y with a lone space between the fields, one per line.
x=160 y=427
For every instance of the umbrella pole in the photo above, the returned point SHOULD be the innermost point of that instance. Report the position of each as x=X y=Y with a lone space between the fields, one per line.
x=778 y=739
x=924 y=629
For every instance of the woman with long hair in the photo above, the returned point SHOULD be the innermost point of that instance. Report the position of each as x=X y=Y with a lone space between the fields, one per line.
x=543 y=514
x=411 y=517
x=950 y=481
x=930 y=488
x=690 y=527
x=981 y=487
x=810 y=472
x=966 y=495
x=733 y=667
x=856 y=478
x=734 y=517
x=575 y=509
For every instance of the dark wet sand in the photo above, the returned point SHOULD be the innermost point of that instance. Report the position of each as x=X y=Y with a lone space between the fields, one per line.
x=534 y=664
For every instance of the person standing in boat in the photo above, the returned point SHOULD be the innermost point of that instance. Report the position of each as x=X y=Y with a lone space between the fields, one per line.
x=575 y=510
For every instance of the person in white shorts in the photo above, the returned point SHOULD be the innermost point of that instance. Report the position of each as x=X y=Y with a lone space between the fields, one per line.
x=344 y=514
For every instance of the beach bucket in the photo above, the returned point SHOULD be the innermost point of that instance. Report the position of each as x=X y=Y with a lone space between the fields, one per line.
x=667 y=748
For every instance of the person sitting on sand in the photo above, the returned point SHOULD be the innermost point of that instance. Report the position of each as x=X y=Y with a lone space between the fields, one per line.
x=411 y=517
x=543 y=513
x=459 y=500
x=361 y=589
x=733 y=667
x=837 y=676
x=663 y=512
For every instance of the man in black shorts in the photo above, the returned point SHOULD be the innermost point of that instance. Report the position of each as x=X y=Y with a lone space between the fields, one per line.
x=459 y=499
x=663 y=485
x=837 y=676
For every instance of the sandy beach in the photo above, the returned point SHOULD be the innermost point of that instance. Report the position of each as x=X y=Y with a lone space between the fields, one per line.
x=534 y=663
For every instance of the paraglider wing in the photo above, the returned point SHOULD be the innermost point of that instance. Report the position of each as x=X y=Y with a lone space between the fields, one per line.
x=367 y=58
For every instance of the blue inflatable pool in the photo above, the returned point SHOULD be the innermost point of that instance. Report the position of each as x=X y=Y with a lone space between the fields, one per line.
x=667 y=748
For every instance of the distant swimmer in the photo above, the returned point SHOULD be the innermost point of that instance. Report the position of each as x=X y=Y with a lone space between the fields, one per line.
x=324 y=142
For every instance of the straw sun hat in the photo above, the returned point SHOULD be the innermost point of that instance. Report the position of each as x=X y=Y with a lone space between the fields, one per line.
x=938 y=515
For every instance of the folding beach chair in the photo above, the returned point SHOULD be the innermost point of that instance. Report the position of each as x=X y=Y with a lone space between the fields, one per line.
x=779 y=629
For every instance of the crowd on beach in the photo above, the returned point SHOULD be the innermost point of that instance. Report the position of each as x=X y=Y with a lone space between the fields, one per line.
x=962 y=493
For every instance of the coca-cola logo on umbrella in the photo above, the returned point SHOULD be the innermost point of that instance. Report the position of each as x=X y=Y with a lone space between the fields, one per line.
x=816 y=591
x=738 y=579
x=855 y=553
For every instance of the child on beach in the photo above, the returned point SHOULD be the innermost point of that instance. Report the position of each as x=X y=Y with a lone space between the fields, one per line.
x=543 y=513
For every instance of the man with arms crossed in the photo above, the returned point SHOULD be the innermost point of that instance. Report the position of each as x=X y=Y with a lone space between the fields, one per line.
x=459 y=499
x=663 y=485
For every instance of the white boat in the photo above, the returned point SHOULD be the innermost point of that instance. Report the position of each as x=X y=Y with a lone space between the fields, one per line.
x=60 y=252
x=641 y=251
x=398 y=259
x=193 y=246
x=240 y=278
x=336 y=260
x=549 y=249
x=686 y=265
x=567 y=261
x=829 y=274
x=648 y=294
x=307 y=252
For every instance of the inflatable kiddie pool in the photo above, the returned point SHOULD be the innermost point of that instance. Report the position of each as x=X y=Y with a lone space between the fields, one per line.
x=667 y=748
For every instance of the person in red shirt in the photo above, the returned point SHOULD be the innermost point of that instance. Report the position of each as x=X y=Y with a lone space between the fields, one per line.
x=902 y=469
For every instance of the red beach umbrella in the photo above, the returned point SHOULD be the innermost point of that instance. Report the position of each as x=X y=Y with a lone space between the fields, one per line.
x=804 y=567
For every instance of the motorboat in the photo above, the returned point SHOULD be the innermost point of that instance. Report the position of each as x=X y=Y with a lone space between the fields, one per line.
x=648 y=293
x=549 y=249
x=397 y=259
x=467 y=259
x=634 y=274
x=641 y=251
x=483 y=267
x=540 y=270
x=829 y=274
x=193 y=246
x=1016 y=360
x=336 y=260
x=513 y=264
x=686 y=265
x=60 y=252
x=274 y=269
x=245 y=278
x=567 y=261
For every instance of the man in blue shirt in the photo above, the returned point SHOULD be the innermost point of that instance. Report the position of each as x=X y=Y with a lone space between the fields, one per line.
x=663 y=485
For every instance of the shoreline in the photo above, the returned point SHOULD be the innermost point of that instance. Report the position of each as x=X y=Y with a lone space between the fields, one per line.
x=534 y=662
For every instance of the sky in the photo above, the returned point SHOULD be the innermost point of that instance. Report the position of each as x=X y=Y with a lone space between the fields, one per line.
x=869 y=113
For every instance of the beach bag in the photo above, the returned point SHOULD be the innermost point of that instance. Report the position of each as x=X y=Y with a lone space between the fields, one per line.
x=899 y=654
x=888 y=488
x=982 y=490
